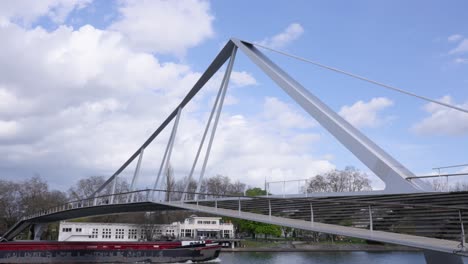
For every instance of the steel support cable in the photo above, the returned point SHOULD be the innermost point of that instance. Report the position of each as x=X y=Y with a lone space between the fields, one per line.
x=225 y=84
x=167 y=154
x=202 y=142
x=136 y=173
x=222 y=56
x=362 y=78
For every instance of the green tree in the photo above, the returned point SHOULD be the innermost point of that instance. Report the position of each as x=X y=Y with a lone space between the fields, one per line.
x=255 y=192
x=267 y=229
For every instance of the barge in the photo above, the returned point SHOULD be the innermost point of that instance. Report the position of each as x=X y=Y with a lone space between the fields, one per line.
x=107 y=252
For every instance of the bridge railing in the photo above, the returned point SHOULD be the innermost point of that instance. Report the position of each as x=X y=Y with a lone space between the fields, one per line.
x=443 y=218
x=107 y=199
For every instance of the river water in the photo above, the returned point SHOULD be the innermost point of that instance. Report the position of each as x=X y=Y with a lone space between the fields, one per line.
x=321 y=258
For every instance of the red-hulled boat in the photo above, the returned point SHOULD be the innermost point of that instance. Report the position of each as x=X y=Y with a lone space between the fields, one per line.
x=107 y=252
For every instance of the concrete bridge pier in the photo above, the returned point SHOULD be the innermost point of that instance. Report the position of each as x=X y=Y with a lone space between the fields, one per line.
x=434 y=257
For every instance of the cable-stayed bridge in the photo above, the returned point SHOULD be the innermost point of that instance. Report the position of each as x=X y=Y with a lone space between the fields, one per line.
x=407 y=212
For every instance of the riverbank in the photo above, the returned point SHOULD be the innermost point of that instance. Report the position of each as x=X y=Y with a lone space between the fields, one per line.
x=304 y=247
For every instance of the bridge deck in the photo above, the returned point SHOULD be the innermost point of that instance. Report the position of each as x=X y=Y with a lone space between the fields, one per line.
x=426 y=243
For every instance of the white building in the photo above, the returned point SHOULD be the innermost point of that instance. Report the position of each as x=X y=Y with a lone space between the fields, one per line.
x=193 y=227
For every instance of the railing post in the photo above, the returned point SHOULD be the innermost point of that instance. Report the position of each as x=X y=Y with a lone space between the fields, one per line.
x=239 y=205
x=371 y=224
x=311 y=213
x=216 y=204
x=284 y=188
x=462 y=230
x=114 y=184
x=135 y=176
x=269 y=208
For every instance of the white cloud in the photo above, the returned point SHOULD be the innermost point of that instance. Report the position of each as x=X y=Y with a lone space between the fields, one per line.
x=27 y=12
x=12 y=106
x=165 y=26
x=242 y=78
x=89 y=99
x=461 y=48
x=362 y=114
x=283 y=114
x=454 y=38
x=443 y=120
x=251 y=149
x=81 y=97
x=291 y=33
x=8 y=129
x=460 y=60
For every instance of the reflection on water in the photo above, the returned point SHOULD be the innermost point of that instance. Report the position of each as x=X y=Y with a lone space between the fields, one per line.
x=322 y=257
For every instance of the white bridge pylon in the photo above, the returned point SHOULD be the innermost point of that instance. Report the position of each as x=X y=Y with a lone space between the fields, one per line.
x=397 y=178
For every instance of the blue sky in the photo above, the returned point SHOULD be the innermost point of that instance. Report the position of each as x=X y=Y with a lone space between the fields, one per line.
x=84 y=82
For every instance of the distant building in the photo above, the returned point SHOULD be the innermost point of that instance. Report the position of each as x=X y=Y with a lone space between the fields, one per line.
x=193 y=227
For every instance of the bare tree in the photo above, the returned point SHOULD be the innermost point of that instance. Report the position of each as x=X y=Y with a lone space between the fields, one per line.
x=317 y=184
x=237 y=188
x=348 y=180
x=459 y=187
x=221 y=185
x=218 y=185
x=35 y=195
x=10 y=200
x=170 y=183
x=84 y=188
x=180 y=187
x=26 y=197
x=439 y=185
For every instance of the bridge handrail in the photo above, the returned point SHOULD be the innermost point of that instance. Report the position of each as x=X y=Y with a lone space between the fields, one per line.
x=327 y=200
x=91 y=201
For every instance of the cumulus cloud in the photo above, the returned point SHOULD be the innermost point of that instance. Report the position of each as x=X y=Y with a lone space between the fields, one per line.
x=242 y=78
x=251 y=149
x=460 y=50
x=68 y=96
x=462 y=47
x=454 y=38
x=366 y=114
x=8 y=129
x=26 y=12
x=460 y=60
x=281 y=40
x=443 y=120
x=165 y=26
x=80 y=101
x=284 y=116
